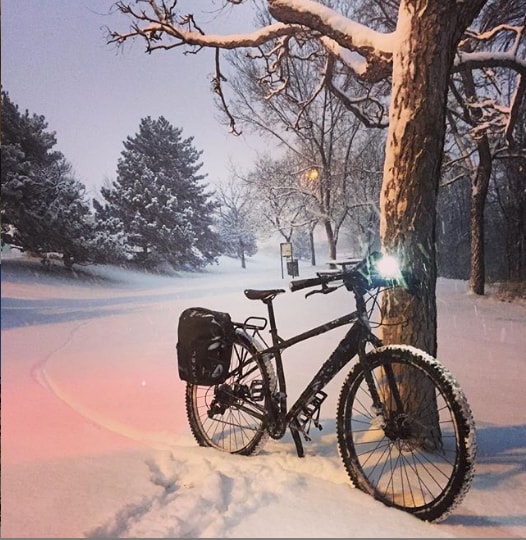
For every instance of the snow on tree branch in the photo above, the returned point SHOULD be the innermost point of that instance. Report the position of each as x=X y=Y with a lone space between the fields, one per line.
x=376 y=48
x=501 y=47
x=162 y=27
x=474 y=60
x=165 y=23
x=359 y=49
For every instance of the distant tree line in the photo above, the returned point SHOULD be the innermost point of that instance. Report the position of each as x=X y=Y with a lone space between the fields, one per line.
x=156 y=215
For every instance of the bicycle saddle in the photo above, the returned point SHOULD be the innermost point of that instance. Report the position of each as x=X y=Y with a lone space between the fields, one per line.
x=263 y=294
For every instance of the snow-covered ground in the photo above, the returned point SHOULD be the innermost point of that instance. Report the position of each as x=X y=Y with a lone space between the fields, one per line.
x=95 y=441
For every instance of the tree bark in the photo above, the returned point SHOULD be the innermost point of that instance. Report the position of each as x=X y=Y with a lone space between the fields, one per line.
x=516 y=219
x=242 y=254
x=429 y=32
x=479 y=192
x=312 y=247
x=330 y=238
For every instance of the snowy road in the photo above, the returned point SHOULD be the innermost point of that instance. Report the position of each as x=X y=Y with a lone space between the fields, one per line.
x=95 y=441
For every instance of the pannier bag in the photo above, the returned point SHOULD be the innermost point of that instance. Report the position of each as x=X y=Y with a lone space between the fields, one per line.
x=204 y=346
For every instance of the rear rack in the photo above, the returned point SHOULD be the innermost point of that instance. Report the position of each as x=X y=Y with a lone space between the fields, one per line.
x=248 y=325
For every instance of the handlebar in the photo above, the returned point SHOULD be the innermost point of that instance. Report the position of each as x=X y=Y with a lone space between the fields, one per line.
x=314 y=282
x=362 y=277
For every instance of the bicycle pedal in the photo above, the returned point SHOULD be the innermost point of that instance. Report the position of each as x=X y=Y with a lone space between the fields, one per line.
x=305 y=422
x=257 y=390
x=310 y=412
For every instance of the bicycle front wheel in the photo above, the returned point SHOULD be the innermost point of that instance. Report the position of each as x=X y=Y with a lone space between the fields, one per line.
x=233 y=416
x=419 y=454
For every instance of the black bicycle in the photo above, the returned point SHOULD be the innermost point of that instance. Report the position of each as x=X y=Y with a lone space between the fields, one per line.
x=405 y=431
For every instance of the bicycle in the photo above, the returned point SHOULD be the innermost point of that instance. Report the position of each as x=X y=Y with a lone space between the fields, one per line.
x=405 y=431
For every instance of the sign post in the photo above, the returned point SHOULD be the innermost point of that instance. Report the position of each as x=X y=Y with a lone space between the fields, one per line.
x=292 y=265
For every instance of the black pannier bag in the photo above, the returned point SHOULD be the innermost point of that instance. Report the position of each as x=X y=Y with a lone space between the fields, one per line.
x=204 y=346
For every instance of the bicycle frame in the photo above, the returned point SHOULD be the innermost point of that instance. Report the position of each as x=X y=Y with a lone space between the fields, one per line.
x=303 y=411
x=404 y=428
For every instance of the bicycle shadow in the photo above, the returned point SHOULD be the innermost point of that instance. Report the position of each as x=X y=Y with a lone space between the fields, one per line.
x=501 y=461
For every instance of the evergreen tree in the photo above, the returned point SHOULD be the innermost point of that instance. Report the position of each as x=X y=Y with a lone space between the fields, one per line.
x=44 y=208
x=156 y=211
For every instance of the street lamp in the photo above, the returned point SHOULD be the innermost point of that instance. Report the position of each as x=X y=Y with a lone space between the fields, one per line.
x=312 y=175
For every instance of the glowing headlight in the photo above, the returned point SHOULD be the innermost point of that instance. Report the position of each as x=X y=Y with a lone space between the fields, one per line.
x=388 y=267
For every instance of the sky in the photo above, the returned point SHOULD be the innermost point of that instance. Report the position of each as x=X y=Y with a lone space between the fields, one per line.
x=95 y=441
x=56 y=62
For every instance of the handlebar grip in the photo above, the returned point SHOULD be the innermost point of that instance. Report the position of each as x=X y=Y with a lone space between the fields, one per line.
x=305 y=283
x=314 y=282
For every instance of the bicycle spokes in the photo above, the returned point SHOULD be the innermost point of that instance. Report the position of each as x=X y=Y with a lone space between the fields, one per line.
x=233 y=416
x=412 y=455
x=408 y=460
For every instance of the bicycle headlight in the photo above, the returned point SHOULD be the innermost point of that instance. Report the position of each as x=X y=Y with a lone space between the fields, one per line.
x=388 y=267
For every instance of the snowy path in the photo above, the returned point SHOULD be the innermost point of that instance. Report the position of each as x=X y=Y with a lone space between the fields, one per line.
x=95 y=441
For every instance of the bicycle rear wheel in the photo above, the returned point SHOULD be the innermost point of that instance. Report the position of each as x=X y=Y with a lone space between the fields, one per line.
x=233 y=416
x=420 y=459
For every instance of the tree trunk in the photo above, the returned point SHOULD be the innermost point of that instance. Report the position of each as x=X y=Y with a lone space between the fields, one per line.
x=312 y=248
x=479 y=191
x=242 y=254
x=516 y=219
x=429 y=33
x=330 y=239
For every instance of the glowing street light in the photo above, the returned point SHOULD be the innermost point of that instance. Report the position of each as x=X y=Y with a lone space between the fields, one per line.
x=313 y=174
x=310 y=177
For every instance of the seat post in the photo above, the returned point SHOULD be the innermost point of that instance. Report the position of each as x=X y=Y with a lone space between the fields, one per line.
x=280 y=397
x=272 y=320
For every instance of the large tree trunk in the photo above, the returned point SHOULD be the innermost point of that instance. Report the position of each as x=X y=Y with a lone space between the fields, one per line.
x=430 y=31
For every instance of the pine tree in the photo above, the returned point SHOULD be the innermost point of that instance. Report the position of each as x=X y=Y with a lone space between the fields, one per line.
x=44 y=208
x=157 y=208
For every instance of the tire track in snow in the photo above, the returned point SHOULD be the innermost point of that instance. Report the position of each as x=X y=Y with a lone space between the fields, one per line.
x=39 y=372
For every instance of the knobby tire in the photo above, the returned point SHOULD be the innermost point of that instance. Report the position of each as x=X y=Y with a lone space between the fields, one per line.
x=420 y=460
x=233 y=417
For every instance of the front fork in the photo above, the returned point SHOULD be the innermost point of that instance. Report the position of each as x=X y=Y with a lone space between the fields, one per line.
x=378 y=408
